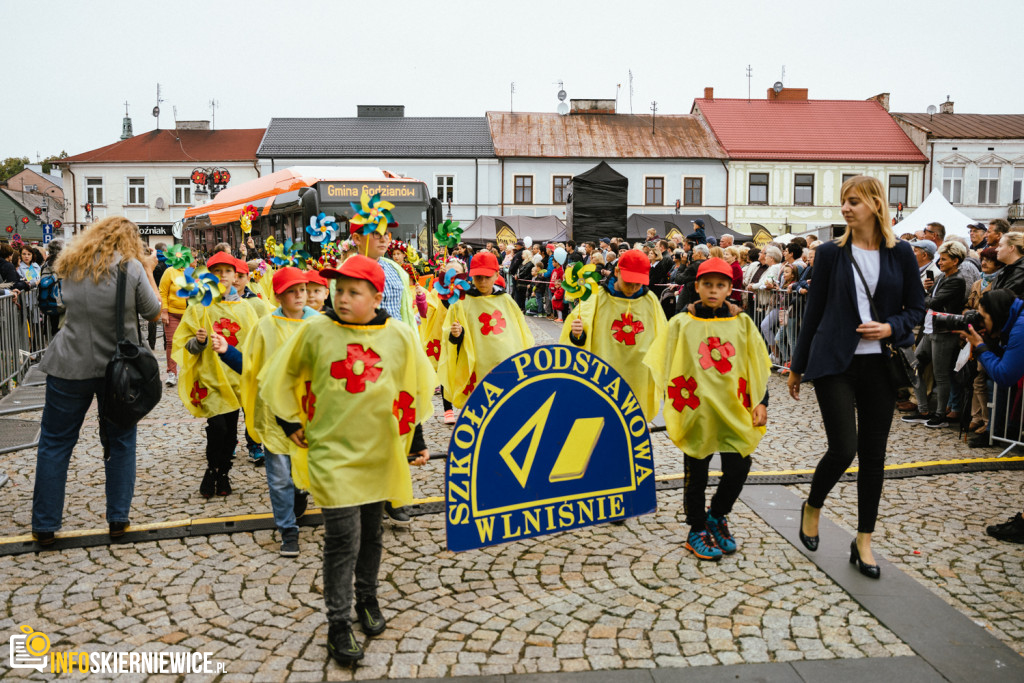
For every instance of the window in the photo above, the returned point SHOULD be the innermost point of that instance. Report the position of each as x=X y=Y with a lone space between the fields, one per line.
x=898 y=189
x=136 y=190
x=847 y=176
x=758 y=191
x=803 y=188
x=988 y=185
x=654 y=191
x=693 y=191
x=524 y=189
x=445 y=188
x=952 y=184
x=94 y=191
x=1018 y=180
x=182 y=191
x=559 y=188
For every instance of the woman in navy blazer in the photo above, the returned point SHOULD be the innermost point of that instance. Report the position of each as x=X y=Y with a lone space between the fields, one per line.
x=840 y=348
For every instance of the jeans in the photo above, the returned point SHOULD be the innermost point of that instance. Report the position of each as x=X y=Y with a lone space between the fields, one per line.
x=221 y=439
x=282 y=492
x=735 y=469
x=67 y=402
x=352 y=545
x=940 y=350
x=856 y=408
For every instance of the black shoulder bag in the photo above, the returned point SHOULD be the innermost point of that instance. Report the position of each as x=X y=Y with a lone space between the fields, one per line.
x=132 y=385
x=900 y=363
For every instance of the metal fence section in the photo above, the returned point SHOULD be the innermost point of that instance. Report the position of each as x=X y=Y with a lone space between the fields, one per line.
x=779 y=315
x=24 y=333
x=1005 y=425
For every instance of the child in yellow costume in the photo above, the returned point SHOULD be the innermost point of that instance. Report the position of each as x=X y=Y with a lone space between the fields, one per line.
x=242 y=279
x=432 y=329
x=710 y=365
x=317 y=291
x=206 y=387
x=351 y=388
x=481 y=330
x=619 y=322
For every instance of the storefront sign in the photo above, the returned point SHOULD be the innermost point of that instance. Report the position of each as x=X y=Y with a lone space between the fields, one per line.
x=147 y=230
x=352 y=192
x=552 y=439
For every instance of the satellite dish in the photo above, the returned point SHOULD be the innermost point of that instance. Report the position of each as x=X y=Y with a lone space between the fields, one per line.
x=777 y=87
x=931 y=109
x=563 y=108
x=156 y=112
x=160 y=203
x=562 y=95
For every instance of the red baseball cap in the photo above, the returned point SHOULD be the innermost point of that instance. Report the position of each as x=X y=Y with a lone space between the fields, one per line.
x=359 y=267
x=315 y=278
x=634 y=266
x=500 y=281
x=288 y=277
x=241 y=266
x=483 y=263
x=714 y=265
x=222 y=258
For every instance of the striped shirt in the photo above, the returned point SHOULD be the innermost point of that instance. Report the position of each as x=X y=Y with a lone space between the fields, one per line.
x=392 y=302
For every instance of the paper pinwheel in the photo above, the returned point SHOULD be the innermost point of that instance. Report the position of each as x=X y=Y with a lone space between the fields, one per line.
x=178 y=256
x=249 y=214
x=452 y=286
x=413 y=256
x=448 y=234
x=270 y=244
x=373 y=214
x=580 y=281
x=199 y=286
x=288 y=254
x=322 y=228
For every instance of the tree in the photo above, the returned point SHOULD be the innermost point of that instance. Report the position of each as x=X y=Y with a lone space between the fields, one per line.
x=12 y=166
x=48 y=162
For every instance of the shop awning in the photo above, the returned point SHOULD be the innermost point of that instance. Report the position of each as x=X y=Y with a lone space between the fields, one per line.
x=261 y=193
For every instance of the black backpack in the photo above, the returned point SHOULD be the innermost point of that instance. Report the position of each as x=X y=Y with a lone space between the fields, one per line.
x=50 y=301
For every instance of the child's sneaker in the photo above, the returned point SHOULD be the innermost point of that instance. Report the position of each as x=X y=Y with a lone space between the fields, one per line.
x=718 y=527
x=370 y=617
x=256 y=457
x=449 y=417
x=209 y=484
x=290 y=544
x=701 y=544
x=342 y=644
x=223 y=484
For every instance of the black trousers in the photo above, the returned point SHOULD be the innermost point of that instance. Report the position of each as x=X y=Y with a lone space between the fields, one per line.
x=695 y=479
x=221 y=439
x=856 y=407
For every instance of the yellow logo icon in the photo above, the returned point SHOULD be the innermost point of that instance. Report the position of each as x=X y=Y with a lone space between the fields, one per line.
x=29 y=649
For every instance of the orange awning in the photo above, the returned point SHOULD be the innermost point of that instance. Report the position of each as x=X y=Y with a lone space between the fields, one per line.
x=230 y=202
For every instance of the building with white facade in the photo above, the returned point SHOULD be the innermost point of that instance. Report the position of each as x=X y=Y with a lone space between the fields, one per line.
x=976 y=160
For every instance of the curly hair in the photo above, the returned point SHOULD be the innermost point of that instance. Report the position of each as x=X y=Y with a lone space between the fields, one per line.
x=92 y=252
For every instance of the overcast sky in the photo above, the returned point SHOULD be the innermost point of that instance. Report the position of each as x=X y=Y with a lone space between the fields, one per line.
x=70 y=65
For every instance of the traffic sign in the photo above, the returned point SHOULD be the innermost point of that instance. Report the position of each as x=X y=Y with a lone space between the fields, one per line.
x=47 y=233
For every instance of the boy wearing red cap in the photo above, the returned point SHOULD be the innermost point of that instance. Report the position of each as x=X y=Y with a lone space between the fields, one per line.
x=207 y=388
x=619 y=322
x=350 y=388
x=316 y=290
x=260 y=306
x=710 y=364
x=482 y=329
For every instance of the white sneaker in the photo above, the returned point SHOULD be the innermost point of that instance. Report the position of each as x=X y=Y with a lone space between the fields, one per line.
x=172 y=380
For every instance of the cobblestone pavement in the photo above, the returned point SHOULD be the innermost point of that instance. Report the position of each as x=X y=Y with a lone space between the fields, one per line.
x=605 y=597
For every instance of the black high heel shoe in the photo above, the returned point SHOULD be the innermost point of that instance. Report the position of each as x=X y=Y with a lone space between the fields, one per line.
x=810 y=542
x=871 y=571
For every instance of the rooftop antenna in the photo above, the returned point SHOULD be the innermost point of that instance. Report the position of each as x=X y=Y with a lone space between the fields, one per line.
x=750 y=74
x=654 y=113
x=618 y=87
x=563 y=108
x=630 y=91
x=213 y=114
x=174 y=111
x=156 y=109
x=511 y=98
x=783 y=78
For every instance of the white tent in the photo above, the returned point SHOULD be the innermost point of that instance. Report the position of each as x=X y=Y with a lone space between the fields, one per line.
x=935 y=209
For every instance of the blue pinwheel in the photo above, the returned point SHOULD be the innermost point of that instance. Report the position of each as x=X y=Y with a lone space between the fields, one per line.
x=322 y=228
x=289 y=254
x=199 y=286
x=452 y=286
x=373 y=214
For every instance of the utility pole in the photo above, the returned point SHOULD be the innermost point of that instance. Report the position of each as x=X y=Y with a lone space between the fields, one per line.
x=511 y=98
x=750 y=74
x=213 y=114
x=654 y=113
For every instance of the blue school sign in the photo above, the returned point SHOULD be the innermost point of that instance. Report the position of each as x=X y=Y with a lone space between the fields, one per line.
x=552 y=439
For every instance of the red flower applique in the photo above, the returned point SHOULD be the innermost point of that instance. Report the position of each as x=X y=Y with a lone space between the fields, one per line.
x=471 y=386
x=675 y=392
x=309 y=402
x=744 y=393
x=358 y=368
x=434 y=349
x=198 y=394
x=227 y=328
x=493 y=323
x=404 y=412
x=625 y=329
x=714 y=352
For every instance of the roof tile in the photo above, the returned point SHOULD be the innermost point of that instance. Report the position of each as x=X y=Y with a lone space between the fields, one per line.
x=230 y=144
x=970 y=126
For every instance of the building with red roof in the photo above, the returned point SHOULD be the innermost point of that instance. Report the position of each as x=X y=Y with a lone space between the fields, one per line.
x=148 y=177
x=789 y=155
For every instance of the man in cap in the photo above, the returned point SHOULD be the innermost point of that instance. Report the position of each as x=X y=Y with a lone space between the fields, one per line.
x=979 y=234
x=697 y=236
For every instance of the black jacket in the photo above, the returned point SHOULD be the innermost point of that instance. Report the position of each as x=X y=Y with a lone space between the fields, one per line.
x=1011 y=277
x=515 y=263
x=660 y=270
x=9 y=273
x=948 y=295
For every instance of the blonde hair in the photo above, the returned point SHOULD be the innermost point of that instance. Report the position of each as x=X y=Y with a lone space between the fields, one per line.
x=736 y=252
x=716 y=252
x=870 y=190
x=92 y=252
x=955 y=250
x=1013 y=239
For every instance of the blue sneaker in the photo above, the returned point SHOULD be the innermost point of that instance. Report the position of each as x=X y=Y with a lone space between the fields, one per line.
x=718 y=527
x=702 y=544
x=256 y=456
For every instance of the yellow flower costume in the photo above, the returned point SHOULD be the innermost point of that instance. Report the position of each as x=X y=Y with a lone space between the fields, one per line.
x=206 y=386
x=493 y=328
x=359 y=391
x=620 y=331
x=431 y=329
x=712 y=373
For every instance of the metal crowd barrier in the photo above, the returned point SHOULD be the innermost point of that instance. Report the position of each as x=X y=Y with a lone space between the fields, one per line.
x=779 y=315
x=1005 y=425
x=24 y=335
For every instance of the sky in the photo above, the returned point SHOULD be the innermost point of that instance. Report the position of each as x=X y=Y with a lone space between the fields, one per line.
x=80 y=61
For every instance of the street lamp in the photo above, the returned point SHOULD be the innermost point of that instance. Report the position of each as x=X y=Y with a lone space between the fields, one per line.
x=210 y=180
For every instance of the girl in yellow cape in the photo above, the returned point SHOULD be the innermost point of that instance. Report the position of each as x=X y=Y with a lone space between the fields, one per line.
x=619 y=322
x=710 y=365
x=206 y=386
x=242 y=280
x=350 y=389
x=479 y=331
x=432 y=330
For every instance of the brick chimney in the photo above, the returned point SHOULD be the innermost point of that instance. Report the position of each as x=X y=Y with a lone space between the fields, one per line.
x=788 y=94
x=946 y=107
x=592 y=106
x=882 y=99
x=193 y=125
x=709 y=93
